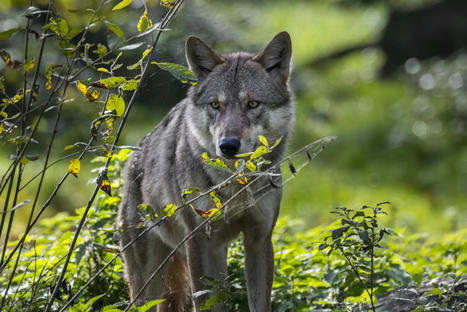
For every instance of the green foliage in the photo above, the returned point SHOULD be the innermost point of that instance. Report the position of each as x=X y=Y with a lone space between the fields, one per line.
x=178 y=71
x=307 y=276
x=46 y=248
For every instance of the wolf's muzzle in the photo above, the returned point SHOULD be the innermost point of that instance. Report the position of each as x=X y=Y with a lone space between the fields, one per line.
x=229 y=146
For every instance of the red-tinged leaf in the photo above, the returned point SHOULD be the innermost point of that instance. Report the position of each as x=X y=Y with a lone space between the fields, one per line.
x=103 y=182
x=241 y=179
x=206 y=214
x=105 y=186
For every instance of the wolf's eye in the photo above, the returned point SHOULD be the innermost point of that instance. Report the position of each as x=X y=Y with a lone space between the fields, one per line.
x=253 y=104
x=215 y=104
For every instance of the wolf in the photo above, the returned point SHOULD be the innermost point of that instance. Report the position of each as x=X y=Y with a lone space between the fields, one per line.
x=238 y=97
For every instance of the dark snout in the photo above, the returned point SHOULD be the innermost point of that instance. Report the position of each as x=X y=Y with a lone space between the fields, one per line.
x=229 y=146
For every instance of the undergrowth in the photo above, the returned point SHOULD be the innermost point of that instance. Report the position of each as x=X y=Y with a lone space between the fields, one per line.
x=312 y=272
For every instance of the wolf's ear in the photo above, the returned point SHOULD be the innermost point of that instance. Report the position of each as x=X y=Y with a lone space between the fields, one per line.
x=275 y=58
x=201 y=58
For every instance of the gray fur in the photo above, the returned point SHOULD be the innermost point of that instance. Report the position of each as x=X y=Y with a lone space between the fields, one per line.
x=170 y=161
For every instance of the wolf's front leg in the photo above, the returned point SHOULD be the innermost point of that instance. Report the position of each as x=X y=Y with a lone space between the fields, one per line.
x=259 y=270
x=205 y=260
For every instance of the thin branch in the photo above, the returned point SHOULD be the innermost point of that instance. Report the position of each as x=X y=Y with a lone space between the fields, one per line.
x=164 y=23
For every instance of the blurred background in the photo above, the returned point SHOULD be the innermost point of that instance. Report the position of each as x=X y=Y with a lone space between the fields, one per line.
x=387 y=77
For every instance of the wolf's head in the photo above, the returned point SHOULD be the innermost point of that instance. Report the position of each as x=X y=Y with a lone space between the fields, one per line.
x=240 y=96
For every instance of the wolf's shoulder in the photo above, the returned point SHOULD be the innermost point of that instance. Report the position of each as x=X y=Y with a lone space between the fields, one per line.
x=168 y=127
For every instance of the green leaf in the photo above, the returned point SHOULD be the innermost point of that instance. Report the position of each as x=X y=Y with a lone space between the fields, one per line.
x=136 y=65
x=29 y=65
x=130 y=85
x=49 y=70
x=122 y=4
x=7 y=33
x=58 y=25
x=276 y=143
x=148 y=305
x=187 y=192
x=101 y=50
x=146 y=211
x=216 y=163
x=109 y=83
x=169 y=210
x=116 y=103
x=91 y=301
x=364 y=237
x=115 y=29
x=178 y=71
x=434 y=291
x=337 y=233
x=131 y=46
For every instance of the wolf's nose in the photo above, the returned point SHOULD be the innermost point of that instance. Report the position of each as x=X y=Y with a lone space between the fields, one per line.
x=229 y=146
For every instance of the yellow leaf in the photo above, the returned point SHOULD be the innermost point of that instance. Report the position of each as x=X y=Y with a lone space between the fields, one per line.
x=103 y=70
x=122 y=4
x=243 y=155
x=263 y=140
x=250 y=165
x=74 y=167
x=144 y=22
x=4 y=114
x=81 y=87
x=169 y=210
x=216 y=163
x=146 y=52
x=92 y=96
x=167 y=3
x=1 y=127
x=260 y=151
x=215 y=199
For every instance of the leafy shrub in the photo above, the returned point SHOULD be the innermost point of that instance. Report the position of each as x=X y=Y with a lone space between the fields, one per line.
x=307 y=276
